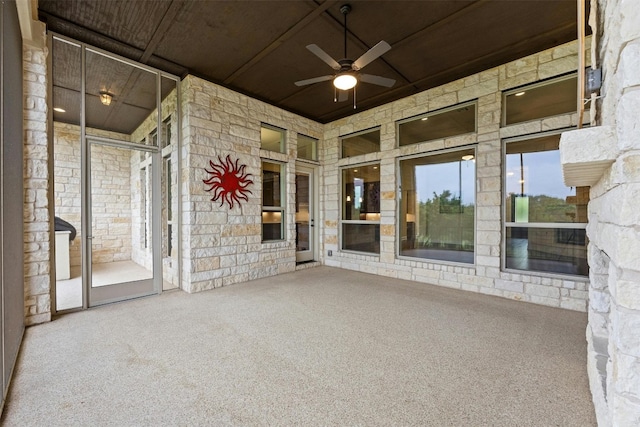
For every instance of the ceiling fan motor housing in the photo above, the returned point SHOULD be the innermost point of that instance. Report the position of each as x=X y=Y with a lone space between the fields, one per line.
x=345 y=65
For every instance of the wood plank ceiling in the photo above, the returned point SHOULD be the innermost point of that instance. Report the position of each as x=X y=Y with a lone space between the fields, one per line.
x=258 y=47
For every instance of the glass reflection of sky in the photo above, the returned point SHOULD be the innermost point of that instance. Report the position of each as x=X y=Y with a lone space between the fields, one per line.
x=542 y=174
x=445 y=176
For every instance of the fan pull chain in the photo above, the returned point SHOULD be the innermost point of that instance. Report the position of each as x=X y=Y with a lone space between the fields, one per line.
x=354 y=97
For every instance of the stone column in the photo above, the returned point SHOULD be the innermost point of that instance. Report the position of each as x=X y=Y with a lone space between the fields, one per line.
x=37 y=223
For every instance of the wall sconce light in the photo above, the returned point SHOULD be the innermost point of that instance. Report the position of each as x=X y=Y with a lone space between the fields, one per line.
x=348 y=198
x=345 y=81
x=105 y=98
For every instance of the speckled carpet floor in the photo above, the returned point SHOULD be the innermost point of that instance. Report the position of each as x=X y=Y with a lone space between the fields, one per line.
x=321 y=346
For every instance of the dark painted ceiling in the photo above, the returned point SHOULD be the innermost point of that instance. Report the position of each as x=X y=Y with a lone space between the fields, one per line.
x=258 y=47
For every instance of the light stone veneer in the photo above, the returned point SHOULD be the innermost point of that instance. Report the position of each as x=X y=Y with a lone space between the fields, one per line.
x=222 y=246
x=38 y=230
x=486 y=275
x=613 y=333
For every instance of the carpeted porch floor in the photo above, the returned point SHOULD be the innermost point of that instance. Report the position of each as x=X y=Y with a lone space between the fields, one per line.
x=320 y=346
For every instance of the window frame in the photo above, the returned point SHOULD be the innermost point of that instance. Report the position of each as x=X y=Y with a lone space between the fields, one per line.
x=398 y=240
x=341 y=212
x=283 y=138
x=283 y=201
x=358 y=133
x=529 y=86
x=534 y=225
x=437 y=112
x=316 y=142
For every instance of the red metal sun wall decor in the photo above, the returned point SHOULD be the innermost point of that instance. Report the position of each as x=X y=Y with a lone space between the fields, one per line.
x=228 y=181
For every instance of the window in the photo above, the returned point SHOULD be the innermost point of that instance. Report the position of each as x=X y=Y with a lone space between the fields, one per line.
x=272 y=201
x=364 y=142
x=539 y=100
x=166 y=132
x=437 y=206
x=361 y=208
x=451 y=121
x=545 y=220
x=272 y=138
x=307 y=147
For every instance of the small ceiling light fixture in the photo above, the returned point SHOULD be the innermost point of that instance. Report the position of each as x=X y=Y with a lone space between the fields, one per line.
x=468 y=157
x=345 y=81
x=520 y=93
x=59 y=110
x=105 y=97
x=424 y=119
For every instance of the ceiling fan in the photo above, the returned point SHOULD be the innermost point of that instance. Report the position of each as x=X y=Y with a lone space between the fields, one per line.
x=347 y=70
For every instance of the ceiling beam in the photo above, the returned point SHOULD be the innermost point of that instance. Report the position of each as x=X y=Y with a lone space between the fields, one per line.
x=280 y=40
x=161 y=29
x=91 y=37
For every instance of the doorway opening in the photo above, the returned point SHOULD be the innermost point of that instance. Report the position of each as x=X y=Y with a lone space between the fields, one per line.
x=116 y=177
x=306 y=213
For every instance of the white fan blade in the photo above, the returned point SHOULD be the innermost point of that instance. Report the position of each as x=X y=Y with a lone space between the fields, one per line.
x=378 y=50
x=377 y=80
x=315 y=49
x=313 y=80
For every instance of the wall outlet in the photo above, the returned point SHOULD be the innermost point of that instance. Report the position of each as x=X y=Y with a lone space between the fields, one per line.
x=330 y=252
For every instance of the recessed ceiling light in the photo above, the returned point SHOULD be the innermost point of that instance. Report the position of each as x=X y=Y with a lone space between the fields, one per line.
x=424 y=119
x=355 y=170
x=467 y=157
x=520 y=93
x=59 y=110
x=375 y=167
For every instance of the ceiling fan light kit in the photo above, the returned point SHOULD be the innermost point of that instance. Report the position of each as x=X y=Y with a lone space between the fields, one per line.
x=348 y=71
x=345 y=81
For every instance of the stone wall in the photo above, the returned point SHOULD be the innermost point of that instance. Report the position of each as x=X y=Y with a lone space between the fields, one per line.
x=222 y=246
x=613 y=333
x=111 y=177
x=37 y=220
x=111 y=205
x=486 y=275
x=67 y=191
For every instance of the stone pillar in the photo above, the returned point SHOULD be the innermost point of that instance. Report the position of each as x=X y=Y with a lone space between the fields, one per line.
x=609 y=156
x=37 y=221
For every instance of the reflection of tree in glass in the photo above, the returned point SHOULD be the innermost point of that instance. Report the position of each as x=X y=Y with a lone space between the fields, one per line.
x=445 y=223
x=547 y=209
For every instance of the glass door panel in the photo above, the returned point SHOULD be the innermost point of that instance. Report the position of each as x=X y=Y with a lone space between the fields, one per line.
x=67 y=167
x=121 y=240
x=304 y=214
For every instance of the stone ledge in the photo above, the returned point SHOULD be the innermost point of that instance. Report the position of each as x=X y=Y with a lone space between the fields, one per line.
x=586 y=154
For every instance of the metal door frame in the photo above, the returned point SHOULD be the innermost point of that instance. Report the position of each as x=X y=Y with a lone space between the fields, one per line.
x=312 y=172
x=126 y=290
